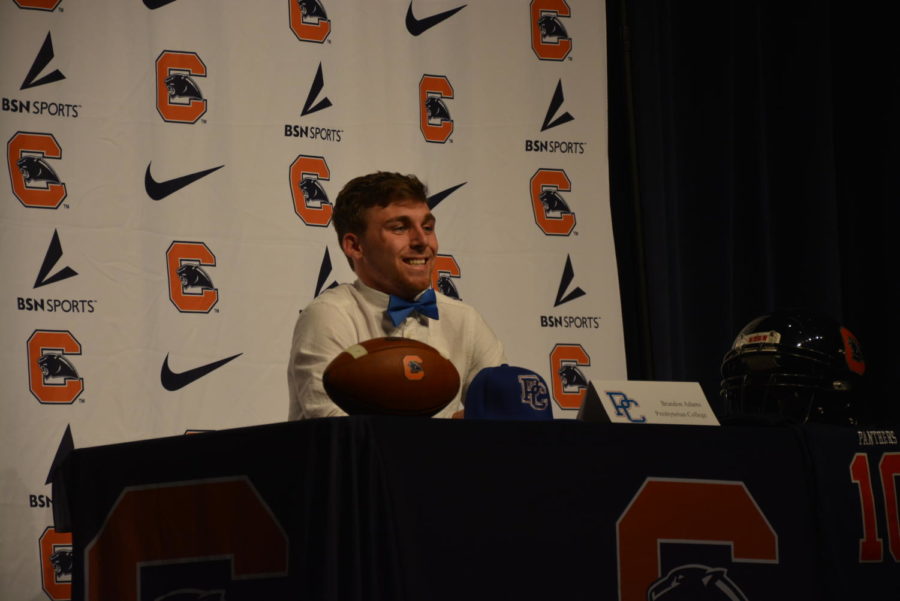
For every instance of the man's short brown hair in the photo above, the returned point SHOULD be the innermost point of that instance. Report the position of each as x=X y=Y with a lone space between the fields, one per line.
x=376 y=189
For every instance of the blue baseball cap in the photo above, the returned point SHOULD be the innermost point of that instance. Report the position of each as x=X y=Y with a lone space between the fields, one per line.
x=508 y=392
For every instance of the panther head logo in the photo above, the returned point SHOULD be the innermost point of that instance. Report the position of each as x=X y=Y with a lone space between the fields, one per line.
x=436 y=108
x=36 y=169
x=62 y=563
x=54 y=365
x=552 y=201
x=572 y=376
x=551 y=28
x=182 y=86
x=313 y=192
x=193 y=276
x=447 y=287
x=312 y=9
x=695 y=582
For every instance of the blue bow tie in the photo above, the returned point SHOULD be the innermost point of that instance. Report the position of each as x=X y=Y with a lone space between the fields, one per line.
x=399 y=309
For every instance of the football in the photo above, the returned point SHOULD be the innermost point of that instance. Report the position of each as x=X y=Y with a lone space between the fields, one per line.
x=391 y=376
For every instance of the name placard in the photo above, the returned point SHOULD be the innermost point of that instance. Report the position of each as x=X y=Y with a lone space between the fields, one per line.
x=646 y=402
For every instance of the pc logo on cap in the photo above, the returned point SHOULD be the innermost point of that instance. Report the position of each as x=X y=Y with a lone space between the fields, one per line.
x=508 y=392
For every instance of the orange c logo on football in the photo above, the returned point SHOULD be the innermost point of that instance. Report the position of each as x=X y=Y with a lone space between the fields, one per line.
x=413 y=368
x=54 y=366
x=544 y=25
x=692 y=511
x=304 y=190
x=432 y=88
x=564 y=359
x=173 y=69
x=314 y=26
x=38 y=4
x=545 y=184
x=56 y=564
x=183 y=260
x=156 y=525
x=25 y=154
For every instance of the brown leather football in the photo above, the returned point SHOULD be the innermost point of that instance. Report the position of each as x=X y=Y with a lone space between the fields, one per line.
x=391 y=376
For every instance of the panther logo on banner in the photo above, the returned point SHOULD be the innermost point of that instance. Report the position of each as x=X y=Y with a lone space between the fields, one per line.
x=309 y=22
x=178 y=97
x=34 y=182
x=190 y=288
x=551 y=211
x=549 y=38
x=310 y=200
x=56 y=564
x=696 y=513
x=445 y=268
x=52 y=378
x=146 y=527
x=434 y=117
x=568 y=381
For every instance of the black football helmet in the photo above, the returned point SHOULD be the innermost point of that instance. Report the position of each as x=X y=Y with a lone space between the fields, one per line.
x=795 y=365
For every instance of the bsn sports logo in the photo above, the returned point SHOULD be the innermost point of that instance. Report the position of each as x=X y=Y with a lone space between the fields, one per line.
x=190 y=288
x=549 y=38
x=34 y=182
x=568 y=382
x=552 y=119
x=696 y=514
x=47 y=5
x=551 y=212
x=310 y=200
x=41 y=107
x=434 y=117
x=564 y=295
x=308 y=19
x=534 y=392
x=52 y=378
x=313 y=105
x=43 y=58
x=324 y=272
x=56 y=564
x=178 y=97
x=445 y=268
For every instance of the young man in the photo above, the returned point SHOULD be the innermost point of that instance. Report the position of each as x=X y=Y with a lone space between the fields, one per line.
x=387 y=232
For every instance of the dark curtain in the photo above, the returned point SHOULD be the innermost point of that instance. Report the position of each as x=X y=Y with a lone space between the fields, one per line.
x=754 y=163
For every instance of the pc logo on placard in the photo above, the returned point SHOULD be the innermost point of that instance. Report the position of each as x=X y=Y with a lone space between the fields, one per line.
x=34 y=181
x=310 y=200
x=623 y=405
x=568 y=382
x=551 y=211
x=56 y=563
x=434 y=116
x=445 y=268
x=309 y=22
x=52 y=378
x=549 y=38
x=178 y=96
x=190 y=288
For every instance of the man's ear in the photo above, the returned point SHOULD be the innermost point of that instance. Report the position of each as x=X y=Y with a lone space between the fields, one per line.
x=350 y=244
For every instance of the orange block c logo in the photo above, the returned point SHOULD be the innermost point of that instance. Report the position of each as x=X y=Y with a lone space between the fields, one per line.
x=178 y=97
x=34 y=182
x=52 y=379
x=183 y=262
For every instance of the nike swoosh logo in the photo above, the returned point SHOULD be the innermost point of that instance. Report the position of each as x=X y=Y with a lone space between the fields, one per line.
x=173 y=381
x=159 y=190
x=419 y=26
x=153 y=4
x=435 y=199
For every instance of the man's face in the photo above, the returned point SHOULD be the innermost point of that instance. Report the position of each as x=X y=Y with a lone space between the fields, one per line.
x=396 y=253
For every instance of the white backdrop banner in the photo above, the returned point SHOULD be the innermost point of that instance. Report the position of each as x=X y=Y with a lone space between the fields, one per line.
x=171 y=166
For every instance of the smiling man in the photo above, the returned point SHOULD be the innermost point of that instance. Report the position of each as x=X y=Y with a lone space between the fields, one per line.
x=387 y=232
